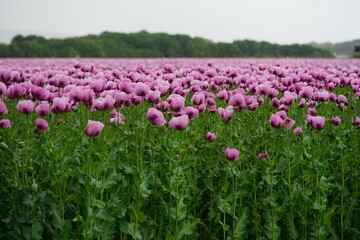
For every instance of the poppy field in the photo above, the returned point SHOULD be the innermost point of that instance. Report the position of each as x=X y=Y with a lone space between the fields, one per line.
x=179 y=149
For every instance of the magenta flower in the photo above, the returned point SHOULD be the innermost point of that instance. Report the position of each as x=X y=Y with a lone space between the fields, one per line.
x=281 y=114
x=117 y=120
x=177 y=104
x=25 y=106
x=104 y=104
x=2 y=88
x=223 y=95
x=289 y=123
x=298 y=131
x=288 y=99
x=227 y=113
x=141 y=89
x=15 y=91
x=311 y=111
x=125 y=86
x=275 y=102
x=179 y=123
x=94 y=128
x=262 y=156
x=317 y=123
x=237 y=100
x=43 y=109
x=210 y=137
x=323 y=96
x=342 y=99
x=198 y=98
x=356 y=122
x=276 y=121
x=155 y=117
x=3 y=109
x=232 y=154
x=61 y=105
x=336 y=121
x=41 y=125
x=253 y=106
x=38 y=80
x=98 y=85
x=201 y=108
x=153 y=96
x=306 y=92
x=5 y=124
x=302 y=103
x=39 y=93
x=191 y=112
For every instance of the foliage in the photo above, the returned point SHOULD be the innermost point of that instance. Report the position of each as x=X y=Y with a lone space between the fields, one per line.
x=140 y=181
x=144 y=44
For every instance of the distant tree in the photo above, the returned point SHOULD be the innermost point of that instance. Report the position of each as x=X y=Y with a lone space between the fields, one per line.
x=144 y=44
x=5 y=50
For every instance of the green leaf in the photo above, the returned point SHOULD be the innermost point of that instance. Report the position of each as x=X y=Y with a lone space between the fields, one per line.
x=188 y=227
x=240 y=224
x=137 y=215
x=179 y=212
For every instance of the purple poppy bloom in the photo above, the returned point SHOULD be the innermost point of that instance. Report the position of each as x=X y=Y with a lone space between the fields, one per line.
x=262 y=156
x=39 y=93
x=302 y=103
x=198 y=98
x=191 y=112
x=41 y=125
x=201 y=108
x=15 y=91
x=336 y=121
x=210 y=137
x=25 y=106
x=317 y=123
x=298 y=131
x=3 y=109
x=177 y=103
x=2 y=88
x=179 y=123
x=43 y=109
x=232 y=154
x=275 y=102
x=276 y=121
x=38 y=80
x=153 y=96
x=311 y=111
x=223 y=95
x=356 y=122
x=141 y=89
x=61 y=105
x=117 y=120
x=125 y=86
x=5 y=124
x=94 y=128
x=342 y=99
x=237 y=100
x=306 y=92
x=289 y=123
x=104 y=104
x=227 y=113
x=98 y=85
x=155 y=117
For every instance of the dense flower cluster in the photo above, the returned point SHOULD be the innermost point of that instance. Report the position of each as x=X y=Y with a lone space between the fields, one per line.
x=179 y=90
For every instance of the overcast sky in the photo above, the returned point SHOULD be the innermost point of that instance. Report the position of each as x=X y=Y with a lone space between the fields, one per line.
x=277 y=21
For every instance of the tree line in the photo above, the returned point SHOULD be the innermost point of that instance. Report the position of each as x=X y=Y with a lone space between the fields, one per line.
x=157 y=45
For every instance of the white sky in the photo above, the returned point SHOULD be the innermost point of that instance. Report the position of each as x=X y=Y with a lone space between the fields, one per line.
x=278 y=21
